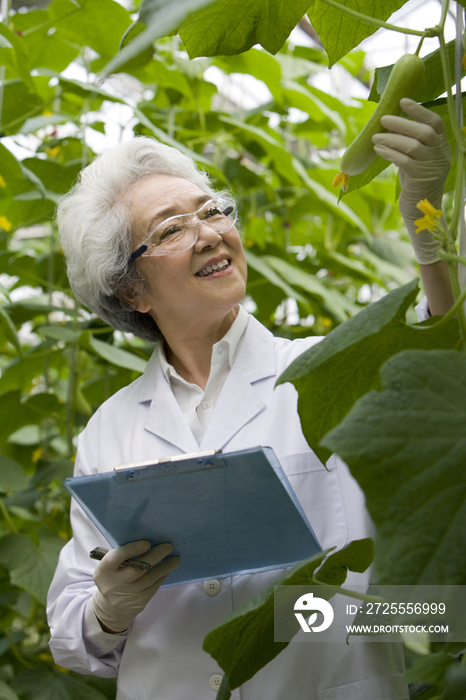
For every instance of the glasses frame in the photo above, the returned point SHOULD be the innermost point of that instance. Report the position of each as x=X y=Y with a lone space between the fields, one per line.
x=141 y=251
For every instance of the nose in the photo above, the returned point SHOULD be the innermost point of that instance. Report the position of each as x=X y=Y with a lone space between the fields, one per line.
x=206 y=237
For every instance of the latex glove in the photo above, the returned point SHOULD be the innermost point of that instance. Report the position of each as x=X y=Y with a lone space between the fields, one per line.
x=124 y=593
x=422 y=153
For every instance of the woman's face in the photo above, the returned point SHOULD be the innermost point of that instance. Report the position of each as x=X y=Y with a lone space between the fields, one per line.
x=176 y=292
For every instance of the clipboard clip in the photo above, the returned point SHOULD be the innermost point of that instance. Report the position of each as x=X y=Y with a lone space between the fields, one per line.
x=168 y=460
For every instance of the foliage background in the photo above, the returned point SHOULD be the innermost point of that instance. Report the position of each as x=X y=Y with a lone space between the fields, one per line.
x=313 y=263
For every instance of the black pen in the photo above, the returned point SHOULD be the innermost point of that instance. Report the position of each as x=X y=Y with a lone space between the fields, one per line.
x=100 y=552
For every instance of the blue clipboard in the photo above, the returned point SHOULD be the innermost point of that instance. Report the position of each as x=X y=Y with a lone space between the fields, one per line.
x=224 y=513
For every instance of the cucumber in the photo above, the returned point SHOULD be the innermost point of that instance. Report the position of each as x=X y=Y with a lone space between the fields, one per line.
x=404 y=80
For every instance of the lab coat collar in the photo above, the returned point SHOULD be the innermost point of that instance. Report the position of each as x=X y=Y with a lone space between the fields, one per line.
x=255 y=361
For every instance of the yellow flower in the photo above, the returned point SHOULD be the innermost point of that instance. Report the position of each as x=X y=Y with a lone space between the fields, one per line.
x=5 y=224
x=431 y=216
x=341 y=179
x=37 y=454
x=53 y=151
x=2 y=181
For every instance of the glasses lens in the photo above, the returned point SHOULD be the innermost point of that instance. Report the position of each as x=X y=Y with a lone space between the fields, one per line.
x=219 y=214
x=174 y=234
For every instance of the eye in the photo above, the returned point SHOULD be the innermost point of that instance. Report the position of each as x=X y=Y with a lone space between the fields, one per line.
x=213 y=211
x=170 y=231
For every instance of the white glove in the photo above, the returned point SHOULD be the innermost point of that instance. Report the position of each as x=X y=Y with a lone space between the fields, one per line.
x=124 y=592
x=422 y=153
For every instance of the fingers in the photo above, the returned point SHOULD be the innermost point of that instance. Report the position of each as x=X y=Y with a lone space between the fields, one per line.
x=401 y=160
x=110 y=566
x=404 y=144
x=422 y=132
x=422 y=114
x=115 y=557
x=153 y=579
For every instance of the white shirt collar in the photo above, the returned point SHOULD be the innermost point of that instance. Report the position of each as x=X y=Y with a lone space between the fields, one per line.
x=231 y=342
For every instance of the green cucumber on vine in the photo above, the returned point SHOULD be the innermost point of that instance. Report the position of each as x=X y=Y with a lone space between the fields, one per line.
x=404 y=80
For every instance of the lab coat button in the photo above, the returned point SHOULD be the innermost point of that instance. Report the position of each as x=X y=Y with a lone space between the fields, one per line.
x=216 y=681
x=212 y=588
x=206 y=404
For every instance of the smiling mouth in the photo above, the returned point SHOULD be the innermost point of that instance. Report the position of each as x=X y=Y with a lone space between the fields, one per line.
x=210 y=269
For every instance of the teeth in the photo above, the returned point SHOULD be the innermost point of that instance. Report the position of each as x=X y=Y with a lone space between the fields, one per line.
x=213 y=268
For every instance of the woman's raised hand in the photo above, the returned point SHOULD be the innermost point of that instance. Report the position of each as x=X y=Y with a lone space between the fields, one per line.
x=124 y=592
x=420 y=149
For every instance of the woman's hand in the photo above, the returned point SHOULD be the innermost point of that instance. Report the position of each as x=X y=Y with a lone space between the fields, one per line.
x=422 y=153
x=124 y=592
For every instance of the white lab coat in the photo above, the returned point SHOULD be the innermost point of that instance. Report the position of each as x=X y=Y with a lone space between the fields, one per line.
x=161 y=656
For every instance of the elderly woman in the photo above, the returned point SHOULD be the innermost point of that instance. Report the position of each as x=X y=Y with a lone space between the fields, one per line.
x=154 y=251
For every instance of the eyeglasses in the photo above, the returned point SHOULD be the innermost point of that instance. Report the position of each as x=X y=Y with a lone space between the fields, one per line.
x=178 y=234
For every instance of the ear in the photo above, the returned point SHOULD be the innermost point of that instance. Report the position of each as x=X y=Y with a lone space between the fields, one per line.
x=137 y=298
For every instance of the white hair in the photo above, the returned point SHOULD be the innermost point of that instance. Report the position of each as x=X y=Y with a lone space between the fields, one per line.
x=96 y=233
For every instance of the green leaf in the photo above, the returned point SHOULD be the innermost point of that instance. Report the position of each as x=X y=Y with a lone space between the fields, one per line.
x=332 y=375
x=117 y=356
x=336 y=303
x=161 y=18
x=12 y=475
x=30 y=126
x=9 y=166
x=42 y=683
x=339 y=32
x=244 y=642
x=31 y=566
x=14 y=414
x=430 y=669
x=229 y=27
x=67 y=333
x=11 y=329
x=19 y=103
x=95 y=24
x=79 y=88
x=260 y=265
x=406 y=446
x=14 y=56
x=7 y=693
x=356 y=556
x=455 y=684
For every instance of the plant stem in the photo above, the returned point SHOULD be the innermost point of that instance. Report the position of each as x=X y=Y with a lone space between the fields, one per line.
x=7 y=517
x=450 y=101
x=453 y=268
x=352 y=594
x=445 y=256
x=432 y=31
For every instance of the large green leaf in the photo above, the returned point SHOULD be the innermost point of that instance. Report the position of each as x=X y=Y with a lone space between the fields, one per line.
x=43 y=48
x=244 y=642
x=406 y=446
x=211 y=31
x=339 y=32
x=333 y=374
x=31 y=566
x=161 y=18
x=41 y=683
x=95 y=24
